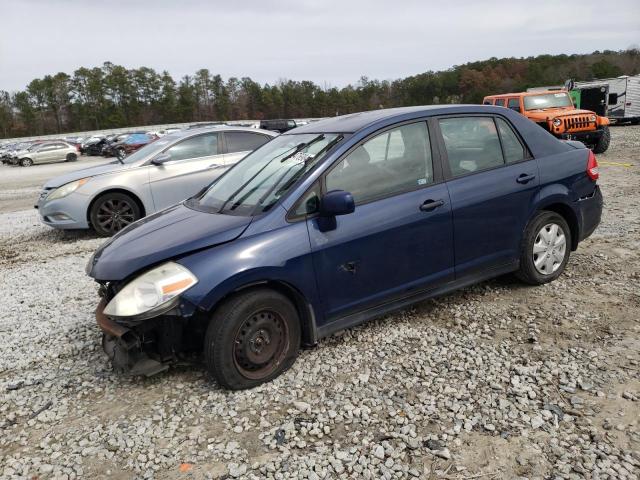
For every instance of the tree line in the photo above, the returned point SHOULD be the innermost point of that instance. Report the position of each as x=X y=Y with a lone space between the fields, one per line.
x=112 y=96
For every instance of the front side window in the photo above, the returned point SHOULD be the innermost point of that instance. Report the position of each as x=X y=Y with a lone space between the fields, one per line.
x=500 y=102
x=262 y=178
x=472 y=144
x=396 y=161
x=547 y=100
x=514 y=104
x=195 y=147
x=244 y=141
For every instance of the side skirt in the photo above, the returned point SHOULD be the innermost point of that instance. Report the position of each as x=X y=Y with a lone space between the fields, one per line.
x=369 y=314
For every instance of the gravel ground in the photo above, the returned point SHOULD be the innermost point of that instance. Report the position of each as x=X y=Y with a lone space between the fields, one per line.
x=495 y=381
x=19 y=186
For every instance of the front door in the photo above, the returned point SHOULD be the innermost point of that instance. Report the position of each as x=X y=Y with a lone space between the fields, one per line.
x=399 y=239
x=195 y=163
x=492 y=181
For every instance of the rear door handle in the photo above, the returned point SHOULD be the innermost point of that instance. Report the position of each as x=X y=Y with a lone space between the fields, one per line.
x=430 y=205
x=524 y=178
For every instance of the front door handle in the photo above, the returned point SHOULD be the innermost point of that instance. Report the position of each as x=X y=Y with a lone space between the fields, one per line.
x=430 y=205
x=525 y=178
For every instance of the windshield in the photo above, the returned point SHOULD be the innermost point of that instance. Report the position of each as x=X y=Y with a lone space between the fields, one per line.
x=256 y=183
x=549 y=100
x=149 y=149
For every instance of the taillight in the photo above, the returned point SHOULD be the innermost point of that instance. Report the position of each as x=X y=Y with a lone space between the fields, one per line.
x=592 y=167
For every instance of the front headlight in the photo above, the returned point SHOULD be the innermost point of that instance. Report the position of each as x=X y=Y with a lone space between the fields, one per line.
x=151 y=293
x=557 y=122
x=67 y=189
x=592 y=118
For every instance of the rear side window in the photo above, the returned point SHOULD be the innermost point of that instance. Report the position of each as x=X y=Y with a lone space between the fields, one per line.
x=472 y=144
x=244 y=141
x=500 y=102
x=195 y=147
x=396 y=161
x=511 y=146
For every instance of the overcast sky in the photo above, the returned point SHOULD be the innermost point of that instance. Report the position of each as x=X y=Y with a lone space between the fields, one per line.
x=332 y=42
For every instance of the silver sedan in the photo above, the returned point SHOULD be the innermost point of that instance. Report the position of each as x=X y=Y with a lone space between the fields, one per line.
x=109 y=197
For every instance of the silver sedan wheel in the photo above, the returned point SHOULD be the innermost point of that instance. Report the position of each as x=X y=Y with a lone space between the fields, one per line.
x=549 y=249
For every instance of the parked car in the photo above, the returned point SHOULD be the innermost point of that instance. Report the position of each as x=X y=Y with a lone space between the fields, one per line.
x=94 y=147
x=554 y=111
x=89 y=141
x=110 y=197
x=278 y=125
x=18 y=150
x=47 y=152
x=335 y=223
x=128 y=144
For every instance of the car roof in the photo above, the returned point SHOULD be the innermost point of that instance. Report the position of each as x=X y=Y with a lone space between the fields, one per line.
x=229 y=128
x=525 y=94
x=354 y=122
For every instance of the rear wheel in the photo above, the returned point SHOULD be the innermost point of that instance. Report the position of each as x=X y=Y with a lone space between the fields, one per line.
x=545 y=249
x=26 y=162
x=111 y=212
x=603 y=143
x=251 y=339
x=71 y=157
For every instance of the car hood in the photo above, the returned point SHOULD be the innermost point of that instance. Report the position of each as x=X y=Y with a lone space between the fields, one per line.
x=87 y=172
x=163 y=236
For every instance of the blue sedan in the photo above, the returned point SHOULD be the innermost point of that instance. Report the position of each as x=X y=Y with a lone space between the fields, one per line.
x=337 y=222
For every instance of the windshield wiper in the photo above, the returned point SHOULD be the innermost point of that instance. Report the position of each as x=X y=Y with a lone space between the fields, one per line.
x=297 y=149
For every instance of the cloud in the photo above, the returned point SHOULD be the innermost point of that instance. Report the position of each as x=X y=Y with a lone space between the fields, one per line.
x=330 y=42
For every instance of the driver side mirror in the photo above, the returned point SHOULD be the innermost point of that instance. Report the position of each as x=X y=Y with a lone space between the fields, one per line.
x=333 y=203
x=162 y=158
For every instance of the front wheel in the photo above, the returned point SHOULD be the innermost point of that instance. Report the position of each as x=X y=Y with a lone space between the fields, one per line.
x=26 y=162
x=120 y=153
x=71 y=157
x=603 y=143
x=251 y=339
x=545 y=249
x=111 y=212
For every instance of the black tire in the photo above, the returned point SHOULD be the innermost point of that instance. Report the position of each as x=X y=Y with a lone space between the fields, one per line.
x=72 y=157
x=113 y=211
x=528 y=272
x=120 y=153
x=238 y=346
x=26 y=162
x=603 y=143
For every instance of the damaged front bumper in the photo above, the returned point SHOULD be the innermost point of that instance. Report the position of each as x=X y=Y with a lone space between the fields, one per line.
x=147 y=347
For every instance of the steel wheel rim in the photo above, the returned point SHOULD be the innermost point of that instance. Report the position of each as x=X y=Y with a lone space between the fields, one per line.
x=549 y=249
x=113 y=215
x=260 y=344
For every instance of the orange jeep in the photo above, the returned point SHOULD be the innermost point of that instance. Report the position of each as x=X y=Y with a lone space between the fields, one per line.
x=553 y=110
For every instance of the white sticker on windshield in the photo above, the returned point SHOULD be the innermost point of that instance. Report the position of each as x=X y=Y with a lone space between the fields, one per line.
x=422 y=181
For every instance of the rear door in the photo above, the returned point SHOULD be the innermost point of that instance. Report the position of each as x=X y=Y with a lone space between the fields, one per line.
x=240 y=144
x=492 y=181
x=398 y=241
x=195 y=162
